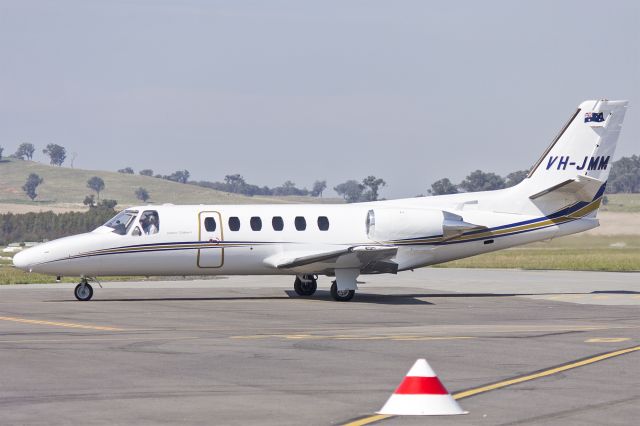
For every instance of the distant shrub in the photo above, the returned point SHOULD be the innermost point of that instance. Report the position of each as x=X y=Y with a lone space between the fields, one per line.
x=25 y=151
x=29 y=187
x=142 y=194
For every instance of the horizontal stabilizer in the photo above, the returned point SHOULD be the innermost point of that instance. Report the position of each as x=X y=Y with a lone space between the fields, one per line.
x=582 y=188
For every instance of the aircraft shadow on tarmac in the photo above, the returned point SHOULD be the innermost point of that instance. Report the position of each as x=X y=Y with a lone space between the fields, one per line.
x=382 y=299
x=320 y=295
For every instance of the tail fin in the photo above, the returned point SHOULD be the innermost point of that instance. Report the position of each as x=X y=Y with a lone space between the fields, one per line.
x=576 y=165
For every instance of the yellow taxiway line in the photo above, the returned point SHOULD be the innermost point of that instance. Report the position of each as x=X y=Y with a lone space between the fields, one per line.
x=368 y=420
x=61 y=324
x=509 y=382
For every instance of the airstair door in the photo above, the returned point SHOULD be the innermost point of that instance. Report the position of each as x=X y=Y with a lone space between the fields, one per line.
x=211 y=251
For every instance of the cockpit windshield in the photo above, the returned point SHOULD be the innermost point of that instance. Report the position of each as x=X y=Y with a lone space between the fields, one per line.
x=122 y=221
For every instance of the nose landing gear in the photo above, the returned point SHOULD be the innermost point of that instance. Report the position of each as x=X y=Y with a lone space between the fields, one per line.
x=83 y=290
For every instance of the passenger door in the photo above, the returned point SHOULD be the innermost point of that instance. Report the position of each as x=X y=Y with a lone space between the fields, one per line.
x=211 y=251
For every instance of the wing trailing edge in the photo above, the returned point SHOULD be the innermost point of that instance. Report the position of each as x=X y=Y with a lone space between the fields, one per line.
x=369 y=259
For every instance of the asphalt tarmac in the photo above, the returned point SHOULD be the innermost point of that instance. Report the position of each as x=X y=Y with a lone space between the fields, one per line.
x=247 y=350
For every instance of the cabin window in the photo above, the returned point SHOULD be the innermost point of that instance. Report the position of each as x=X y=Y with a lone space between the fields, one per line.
x=122 y=222
x=136 y=232
x=256 y=223
x=323 y=223
x=149 y=222
x=234 y=223
x=301 y=223
x=277 y=223
x=210 y=224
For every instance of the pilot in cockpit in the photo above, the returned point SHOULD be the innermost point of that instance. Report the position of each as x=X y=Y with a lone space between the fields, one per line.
x=149 y=222
x=152 y=227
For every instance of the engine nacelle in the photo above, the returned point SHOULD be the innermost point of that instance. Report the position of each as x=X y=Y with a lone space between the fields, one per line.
x=399 y=224
x=402 y=224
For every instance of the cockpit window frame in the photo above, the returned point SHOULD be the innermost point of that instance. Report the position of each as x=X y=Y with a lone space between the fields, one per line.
x=119 y=227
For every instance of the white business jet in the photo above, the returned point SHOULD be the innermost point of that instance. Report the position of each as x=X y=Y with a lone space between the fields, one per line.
x=560 y=196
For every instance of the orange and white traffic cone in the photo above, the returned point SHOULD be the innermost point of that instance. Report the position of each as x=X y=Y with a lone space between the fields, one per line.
x=421 y=394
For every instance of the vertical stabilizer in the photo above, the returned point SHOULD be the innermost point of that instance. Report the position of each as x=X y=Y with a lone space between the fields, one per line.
x=583 y=151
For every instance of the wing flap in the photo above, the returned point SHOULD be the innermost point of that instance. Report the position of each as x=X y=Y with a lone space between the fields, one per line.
x=292 y=260
x=364 y=257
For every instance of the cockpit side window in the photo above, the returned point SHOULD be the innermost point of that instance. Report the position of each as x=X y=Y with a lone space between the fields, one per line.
x=149 y=222
x=122 y=221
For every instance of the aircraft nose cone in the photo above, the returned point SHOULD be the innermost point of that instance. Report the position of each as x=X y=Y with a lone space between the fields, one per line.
x=22 y=260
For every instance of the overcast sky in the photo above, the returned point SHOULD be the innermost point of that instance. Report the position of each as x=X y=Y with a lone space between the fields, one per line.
x=410 y=91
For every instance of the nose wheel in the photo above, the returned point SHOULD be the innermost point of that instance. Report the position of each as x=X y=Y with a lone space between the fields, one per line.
x=83 y=291
x=306 y=285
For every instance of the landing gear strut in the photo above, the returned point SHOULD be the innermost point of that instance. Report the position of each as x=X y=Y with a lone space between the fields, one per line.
x=83 y=291
x=341 y=295
x=306 y=285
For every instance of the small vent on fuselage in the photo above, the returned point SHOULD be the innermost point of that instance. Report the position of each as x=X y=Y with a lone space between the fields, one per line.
x=371 y=223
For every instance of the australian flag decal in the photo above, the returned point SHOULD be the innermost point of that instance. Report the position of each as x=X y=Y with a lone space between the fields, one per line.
x=594 y=117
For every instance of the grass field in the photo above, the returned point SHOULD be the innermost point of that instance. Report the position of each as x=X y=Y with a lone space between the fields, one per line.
x=575 y=253
x=11 y=275
x=622 y=203
x=65 y=185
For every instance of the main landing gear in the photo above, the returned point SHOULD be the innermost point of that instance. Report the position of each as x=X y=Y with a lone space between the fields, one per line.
x=341 y=295
x=83 y=291
x=306 y=285
x=342 y=289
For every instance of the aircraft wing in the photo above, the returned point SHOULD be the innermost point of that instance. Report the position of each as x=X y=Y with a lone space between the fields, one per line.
x=369 y=259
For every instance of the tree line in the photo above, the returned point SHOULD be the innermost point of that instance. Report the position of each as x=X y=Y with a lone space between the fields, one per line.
x=623 y=178
x=351 y=190
x=48 y=225
x=477 y=181
x=236 y=184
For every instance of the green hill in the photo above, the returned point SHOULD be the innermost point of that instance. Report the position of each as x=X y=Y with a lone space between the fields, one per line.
x=63 y=185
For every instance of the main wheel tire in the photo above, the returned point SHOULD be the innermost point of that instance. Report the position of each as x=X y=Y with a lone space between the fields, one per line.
x=305 y=288
x=83 y=292
x=341 y=295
